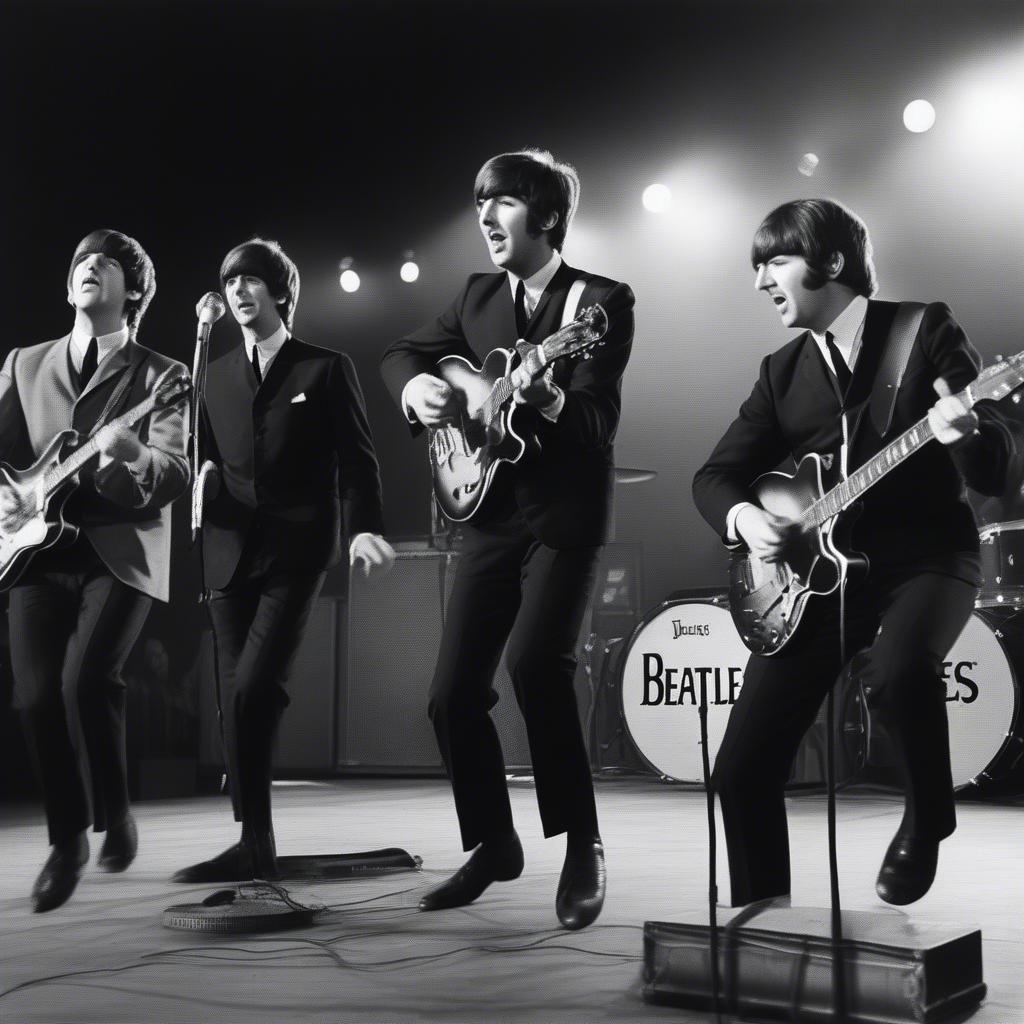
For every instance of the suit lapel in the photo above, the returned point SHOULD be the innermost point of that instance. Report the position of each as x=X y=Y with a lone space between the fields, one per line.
x=278 y=370
x=113 y=365
x=557 y=288
x=56 y=366
x=877 y=322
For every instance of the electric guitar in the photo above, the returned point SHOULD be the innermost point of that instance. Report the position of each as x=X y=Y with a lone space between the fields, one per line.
x=767 y=600
x=465 y=453
x=32 y=500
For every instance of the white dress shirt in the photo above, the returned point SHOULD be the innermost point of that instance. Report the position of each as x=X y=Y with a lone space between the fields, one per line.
x=267 y=347
x=847 y=332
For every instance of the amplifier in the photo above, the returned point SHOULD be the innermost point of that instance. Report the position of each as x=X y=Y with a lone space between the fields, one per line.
x=778 y=965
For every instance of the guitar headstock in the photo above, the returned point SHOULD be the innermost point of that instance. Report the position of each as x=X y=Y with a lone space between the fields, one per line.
x=998 y=380
x=579 y=336
x=172 y=386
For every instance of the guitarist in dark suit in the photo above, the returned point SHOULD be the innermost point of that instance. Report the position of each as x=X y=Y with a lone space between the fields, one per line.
x=530 y=555
x=287 y=429
x=77 y=610
x=812 y=259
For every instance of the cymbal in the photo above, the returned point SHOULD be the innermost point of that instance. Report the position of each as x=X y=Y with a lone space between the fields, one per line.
x=626 y=475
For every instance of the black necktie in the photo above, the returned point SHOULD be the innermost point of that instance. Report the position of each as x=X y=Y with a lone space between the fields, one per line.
x=522 y=320
x=842 y=371
x=256 y=365
x=88 y=363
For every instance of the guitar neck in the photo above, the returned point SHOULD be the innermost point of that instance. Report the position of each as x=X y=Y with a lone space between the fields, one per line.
x=74 y=462
x=503 y=389
x=845 y=493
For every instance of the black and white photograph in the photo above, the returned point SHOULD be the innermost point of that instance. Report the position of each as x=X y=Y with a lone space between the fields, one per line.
x=509 y=512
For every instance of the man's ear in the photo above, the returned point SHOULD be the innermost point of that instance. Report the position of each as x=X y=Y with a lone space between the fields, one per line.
x=835 y=265
x=134 y=295
x=71 y=297
x=551 y=221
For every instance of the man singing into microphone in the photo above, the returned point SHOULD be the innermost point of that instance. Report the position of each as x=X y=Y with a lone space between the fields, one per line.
x=77 y=611
x=286 y=426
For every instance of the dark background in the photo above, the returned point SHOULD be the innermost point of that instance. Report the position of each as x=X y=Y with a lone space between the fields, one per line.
x=355 y=130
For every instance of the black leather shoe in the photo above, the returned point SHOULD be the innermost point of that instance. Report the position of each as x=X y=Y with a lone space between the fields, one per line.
x=489 y=862
x=908 y=869
x=246 y=860
x=120 y=845
x=60 y=874
x=581 y=885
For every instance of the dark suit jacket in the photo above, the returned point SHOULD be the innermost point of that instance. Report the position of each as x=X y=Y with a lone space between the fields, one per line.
x=296 y=459
x=126 y=518
x=918 y=513
x=564 y=492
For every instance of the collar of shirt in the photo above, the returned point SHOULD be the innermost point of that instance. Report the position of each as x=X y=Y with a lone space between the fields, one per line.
x=105 y=345
x=535 y=284
x=269 y=347
x=847 y=330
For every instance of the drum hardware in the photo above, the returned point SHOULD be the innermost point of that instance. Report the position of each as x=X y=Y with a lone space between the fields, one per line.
x=1002 y=554
x=600 y=739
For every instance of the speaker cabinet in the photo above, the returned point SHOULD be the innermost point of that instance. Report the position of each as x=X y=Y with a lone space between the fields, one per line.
x=394 y=632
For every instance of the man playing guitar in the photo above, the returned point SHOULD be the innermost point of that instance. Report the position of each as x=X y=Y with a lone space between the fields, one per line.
x=530 y=555
x=77 y=610
x=812 y=259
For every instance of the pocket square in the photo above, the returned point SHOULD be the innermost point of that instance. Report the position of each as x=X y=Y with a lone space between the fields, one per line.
x=300 y=397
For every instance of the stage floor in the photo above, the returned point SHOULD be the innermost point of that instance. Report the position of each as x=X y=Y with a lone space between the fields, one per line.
x=104 y=957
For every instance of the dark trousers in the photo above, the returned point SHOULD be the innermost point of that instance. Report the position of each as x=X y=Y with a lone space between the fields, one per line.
x=510 y=586
x=258 y=625
x=71 y=633
x=902 y=625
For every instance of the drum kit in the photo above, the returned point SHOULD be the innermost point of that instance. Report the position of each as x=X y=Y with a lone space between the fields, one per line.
x=687 y=646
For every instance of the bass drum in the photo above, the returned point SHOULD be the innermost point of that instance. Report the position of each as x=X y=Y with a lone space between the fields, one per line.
x=680 y=647
x=983 y=700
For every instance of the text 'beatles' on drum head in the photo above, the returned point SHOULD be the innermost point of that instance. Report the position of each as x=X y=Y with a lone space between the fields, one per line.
x=682 y=647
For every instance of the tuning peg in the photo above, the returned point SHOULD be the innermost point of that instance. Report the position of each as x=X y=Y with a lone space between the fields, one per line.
x=1000 y=358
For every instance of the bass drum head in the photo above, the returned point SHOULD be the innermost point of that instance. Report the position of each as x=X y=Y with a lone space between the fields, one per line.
x=981 y=699
x=676 y=648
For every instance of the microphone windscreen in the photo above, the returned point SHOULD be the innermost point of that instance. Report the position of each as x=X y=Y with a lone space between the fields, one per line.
x=210 y=308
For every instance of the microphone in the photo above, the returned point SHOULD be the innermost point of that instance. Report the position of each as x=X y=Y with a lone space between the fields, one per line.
x=210 y=308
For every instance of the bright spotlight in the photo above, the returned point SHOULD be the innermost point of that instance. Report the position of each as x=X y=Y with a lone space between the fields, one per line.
x=808 y=164
x=657 y=198
x=349 y=281
x=918 y=116
x=410 y=271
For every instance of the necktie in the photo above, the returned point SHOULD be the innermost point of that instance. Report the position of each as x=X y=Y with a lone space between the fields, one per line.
x=842 y=371
x=88 y=363
x=256 y=364
x=522 y=320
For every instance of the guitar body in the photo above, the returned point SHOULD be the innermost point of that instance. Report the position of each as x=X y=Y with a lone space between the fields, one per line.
x=767 y=601
x=42 y=525
x=465 y=454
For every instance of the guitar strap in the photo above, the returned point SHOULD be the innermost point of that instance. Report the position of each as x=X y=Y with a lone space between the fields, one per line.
x=572 y=301
x=120 y=392
x=898 y=344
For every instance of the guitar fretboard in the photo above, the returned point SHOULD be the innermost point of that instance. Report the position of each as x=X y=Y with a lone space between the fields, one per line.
x=74 y=462
x=849 y=490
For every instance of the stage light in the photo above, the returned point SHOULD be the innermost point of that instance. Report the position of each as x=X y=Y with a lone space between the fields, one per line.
x=657 y=198
x=918 y=116
x=808 y=164
x=349 y=279
x=410 y=268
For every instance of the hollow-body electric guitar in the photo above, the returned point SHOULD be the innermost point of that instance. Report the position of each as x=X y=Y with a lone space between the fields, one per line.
x=767 y=600
x=466 y=452
x=32 y=500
